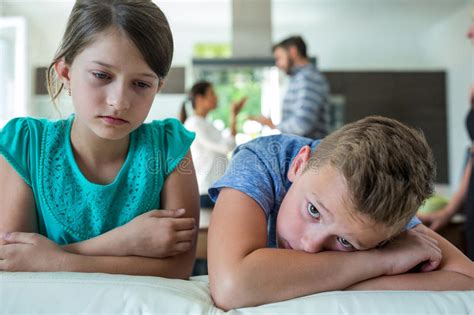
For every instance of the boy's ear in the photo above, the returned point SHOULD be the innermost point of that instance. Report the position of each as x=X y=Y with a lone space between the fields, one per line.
x=62 y=70
x=299 y=163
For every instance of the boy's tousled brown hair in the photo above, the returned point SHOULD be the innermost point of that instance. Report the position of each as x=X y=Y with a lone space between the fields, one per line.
x=388 y=167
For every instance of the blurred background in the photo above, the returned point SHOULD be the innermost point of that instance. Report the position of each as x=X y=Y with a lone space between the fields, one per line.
x=407 y=59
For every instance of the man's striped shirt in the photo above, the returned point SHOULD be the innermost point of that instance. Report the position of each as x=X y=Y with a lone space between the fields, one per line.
x=305 y=105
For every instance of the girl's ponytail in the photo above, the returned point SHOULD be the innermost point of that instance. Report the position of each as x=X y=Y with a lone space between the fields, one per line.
x=182 y=114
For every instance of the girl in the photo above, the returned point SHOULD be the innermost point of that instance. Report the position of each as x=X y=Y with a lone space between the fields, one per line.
x=210 y=148
x=82 y=194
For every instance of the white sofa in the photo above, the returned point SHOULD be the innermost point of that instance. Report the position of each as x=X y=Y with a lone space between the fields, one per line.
x=72 y=293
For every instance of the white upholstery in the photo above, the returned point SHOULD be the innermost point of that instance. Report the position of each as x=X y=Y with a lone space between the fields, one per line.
x=84 y=293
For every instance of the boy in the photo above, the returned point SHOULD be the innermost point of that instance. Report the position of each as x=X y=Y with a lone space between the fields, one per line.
x=340 y=212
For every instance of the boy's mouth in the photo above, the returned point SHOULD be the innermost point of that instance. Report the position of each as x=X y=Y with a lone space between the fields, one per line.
x=286 y=244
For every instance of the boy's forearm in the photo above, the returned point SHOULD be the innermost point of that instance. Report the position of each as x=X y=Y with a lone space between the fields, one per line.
x=439 y=280
x=179 y=266
x=270 y=275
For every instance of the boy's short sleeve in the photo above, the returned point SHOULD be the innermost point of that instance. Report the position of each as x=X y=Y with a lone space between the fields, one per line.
x=15 y=146
x=413 y=222
x=247 y=173
x=175 y=142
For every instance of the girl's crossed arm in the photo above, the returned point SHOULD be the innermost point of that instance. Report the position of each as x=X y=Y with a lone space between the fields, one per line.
x=128 y=249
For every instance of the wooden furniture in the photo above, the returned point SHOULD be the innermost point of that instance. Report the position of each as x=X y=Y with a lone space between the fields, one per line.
x=205 y=219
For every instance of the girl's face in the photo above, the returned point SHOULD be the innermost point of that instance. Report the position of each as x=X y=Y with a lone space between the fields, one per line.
x=211 y=98
x=112 y=87
x=208 y=100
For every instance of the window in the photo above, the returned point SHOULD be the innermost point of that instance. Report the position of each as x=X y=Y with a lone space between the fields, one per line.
x=13 y=68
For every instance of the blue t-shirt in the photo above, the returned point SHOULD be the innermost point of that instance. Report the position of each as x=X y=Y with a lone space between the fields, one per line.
x=70 y=208
x=259 y=169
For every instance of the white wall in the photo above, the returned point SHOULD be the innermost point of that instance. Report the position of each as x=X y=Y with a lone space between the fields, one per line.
x=344 y=34
x=391 y=35
x=449 y=46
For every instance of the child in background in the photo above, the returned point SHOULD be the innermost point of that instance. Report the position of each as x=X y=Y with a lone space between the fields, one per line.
x=210 y=148
x=101 y=191
x=340 y=213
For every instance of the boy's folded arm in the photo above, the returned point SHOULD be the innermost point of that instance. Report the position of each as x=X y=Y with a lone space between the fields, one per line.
x=455 y=272
x=438 y=280
x=243 y=272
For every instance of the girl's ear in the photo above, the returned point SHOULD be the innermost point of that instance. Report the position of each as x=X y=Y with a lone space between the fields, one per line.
x=160 y=85
x=299 y=163
x=62 y=70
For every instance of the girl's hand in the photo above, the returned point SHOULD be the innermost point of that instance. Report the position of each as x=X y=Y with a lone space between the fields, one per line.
x=410 y=249
x=159 y=234
x=236 y=107
x=263 y=120
x=30 y=252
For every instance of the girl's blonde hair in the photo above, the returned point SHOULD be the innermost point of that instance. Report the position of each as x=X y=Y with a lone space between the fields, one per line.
x=141 y=20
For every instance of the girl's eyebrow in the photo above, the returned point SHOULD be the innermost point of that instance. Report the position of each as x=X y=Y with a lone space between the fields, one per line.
x=146 y=74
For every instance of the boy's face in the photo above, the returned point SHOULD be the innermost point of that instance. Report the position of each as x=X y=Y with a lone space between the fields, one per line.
x=316 y=215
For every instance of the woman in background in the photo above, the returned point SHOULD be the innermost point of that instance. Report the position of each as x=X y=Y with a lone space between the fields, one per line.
x=463 y=199
x=210 y=147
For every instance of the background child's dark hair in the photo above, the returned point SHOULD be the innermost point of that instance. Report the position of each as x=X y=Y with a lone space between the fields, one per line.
x=199 y=88
x=140 y=20
x=388 y=167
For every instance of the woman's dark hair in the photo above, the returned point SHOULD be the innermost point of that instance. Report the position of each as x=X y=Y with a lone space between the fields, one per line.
x=199 y=88
x=140 y=20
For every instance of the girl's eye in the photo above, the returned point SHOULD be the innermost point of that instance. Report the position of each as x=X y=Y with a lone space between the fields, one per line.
x=100 y=75
x=142 y=85
x=344 y=243
x=313 y=211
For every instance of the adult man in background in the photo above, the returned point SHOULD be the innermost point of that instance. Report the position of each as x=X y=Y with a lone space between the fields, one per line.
x=305 y=105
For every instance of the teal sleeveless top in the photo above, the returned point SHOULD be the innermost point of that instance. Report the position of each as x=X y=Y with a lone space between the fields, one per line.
x=70 y=208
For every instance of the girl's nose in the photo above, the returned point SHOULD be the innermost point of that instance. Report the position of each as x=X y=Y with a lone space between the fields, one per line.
x=118 y=98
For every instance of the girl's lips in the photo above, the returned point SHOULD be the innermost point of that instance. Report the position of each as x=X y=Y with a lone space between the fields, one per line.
x=114 y=120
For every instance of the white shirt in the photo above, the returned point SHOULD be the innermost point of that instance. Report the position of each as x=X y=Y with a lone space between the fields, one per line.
x=209 y=151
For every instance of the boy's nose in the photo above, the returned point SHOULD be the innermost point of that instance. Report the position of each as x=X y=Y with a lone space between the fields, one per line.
x=314 y=243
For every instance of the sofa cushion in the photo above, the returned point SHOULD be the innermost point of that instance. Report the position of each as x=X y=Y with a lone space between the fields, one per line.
x=93 y=293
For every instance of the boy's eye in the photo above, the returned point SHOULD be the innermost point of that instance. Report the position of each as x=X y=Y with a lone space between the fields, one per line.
x=100 y=75
x=344 y=243
x=313 y=211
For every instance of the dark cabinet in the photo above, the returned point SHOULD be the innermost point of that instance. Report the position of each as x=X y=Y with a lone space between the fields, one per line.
x=417 y=98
